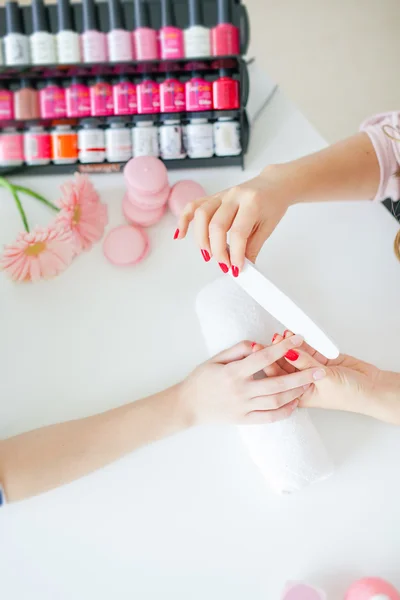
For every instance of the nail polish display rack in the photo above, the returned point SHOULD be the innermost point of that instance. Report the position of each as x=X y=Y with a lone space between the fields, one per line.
x=207 y=67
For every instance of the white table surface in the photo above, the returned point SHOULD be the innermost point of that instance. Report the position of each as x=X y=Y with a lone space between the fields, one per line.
x=190 y=517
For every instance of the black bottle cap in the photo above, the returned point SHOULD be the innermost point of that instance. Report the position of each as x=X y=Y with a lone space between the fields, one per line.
x=142 y=14
x=89 y=15
x=167 y=14
x=124 y=79
x=195 y=13
x=224 y=73
x=26 y=83
x=40 y=18
x=115 y=16
x=13 y=18
x=100 y=79
x=64 y=12
x=224 y=11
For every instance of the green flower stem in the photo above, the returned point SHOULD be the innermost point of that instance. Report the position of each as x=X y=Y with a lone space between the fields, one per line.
x=11 y=188
x=25 y=190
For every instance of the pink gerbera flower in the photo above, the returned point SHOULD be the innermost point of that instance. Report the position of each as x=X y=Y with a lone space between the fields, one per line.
x=82 y=212
x=39 y=254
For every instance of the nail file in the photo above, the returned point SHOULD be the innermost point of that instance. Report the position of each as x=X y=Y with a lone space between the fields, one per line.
x=274 y=301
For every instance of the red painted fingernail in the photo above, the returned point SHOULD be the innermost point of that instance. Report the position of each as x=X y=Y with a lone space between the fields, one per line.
x=235 y=271
x=253 y=344
x=274 y=337
x=286 y=332
x=224 y=267
x=292 y=355
x=206 y=255
x=176 y=234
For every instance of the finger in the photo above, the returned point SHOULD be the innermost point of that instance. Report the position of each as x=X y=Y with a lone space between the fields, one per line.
x=277 y=385
x=320 y=357
x=236 y=352
x=241 y=230
x=187 y=216
x=284 y=365
x=256 y=241
x=262 y=359
x=202 y=218
x=219 y=226
x=273 y=370
x=270 y=416
x=275 y=401
x=302 y=359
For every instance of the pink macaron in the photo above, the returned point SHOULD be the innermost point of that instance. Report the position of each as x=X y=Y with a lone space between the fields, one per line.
x=144 y=218
x=372 y=588
x=149 y=201
x=182 y=193
x=126 y=245
x=302 y=591
x=146 y=175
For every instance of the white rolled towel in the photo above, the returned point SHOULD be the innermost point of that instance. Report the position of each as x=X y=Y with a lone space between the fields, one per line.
x=290 y=453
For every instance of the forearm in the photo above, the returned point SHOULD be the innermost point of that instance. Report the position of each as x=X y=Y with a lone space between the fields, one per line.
x=348 y=170
x=46 y=458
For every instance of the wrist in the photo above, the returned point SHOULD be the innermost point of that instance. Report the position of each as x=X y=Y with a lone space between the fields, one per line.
x=393 y=397
x=184 y=405
x=284 y=181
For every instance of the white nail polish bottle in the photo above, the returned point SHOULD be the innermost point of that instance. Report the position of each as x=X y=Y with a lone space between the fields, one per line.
x=67 y=39
x=43 y=46
x=16 y=43
x=197 y=37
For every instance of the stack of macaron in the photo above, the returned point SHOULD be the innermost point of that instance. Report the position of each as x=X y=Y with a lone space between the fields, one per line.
x=148 y=193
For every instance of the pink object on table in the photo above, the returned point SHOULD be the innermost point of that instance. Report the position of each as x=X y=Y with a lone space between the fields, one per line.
x=144 y=218
x=149 y=201
x=372 y=588
x=182 y=193
x=126 y=245
x=302 y=591
x=146 y=175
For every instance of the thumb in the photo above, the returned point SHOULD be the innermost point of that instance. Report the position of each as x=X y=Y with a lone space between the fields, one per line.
x=236 y=352
x=256 y=241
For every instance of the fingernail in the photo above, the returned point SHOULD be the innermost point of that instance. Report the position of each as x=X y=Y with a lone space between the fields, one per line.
x=176 y=234
x=206 y=255
x=274 y=337
x=292 y=355
x=296 y=340
x=319 y=374
x=224 y=267
x=253 y=344
x=235 y=271
x=286 y=333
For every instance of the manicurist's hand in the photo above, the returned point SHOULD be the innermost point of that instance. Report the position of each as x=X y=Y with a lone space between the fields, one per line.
x=248 y=212
x=224 y=388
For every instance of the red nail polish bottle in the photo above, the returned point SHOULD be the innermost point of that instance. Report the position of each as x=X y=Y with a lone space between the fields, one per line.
x=225 y=92
x=225 y=36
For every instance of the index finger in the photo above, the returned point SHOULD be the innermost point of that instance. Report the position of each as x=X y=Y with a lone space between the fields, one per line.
x=188 y=213
x=264 y=358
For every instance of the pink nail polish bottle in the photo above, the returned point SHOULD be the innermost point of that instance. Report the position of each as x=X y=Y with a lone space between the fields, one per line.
x=225 y=36
x=125 y=97
x=171 y=37
x=225 y=92
x=6 y=103
x=94 y=43
x=77 y=99
x=101 y=98
x=145 y=38
x=172 y=95
x=52 y=101
x=148 y=96
x=198 y=93
x=119 y=40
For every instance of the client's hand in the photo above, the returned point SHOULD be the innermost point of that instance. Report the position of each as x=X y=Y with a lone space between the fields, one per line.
x=351 y=384
x=224 y=389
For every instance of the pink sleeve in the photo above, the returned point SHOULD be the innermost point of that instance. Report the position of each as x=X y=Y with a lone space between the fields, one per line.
x=379 y=129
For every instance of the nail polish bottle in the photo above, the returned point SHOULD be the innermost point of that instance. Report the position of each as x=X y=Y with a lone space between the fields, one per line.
x=172 y=95
x=52 y=101
x=11 y=147
x=198 y=94
x=197 y=37
x=77 y=99
x=6 y=103
x=145 y=137
x=145 y=38
x=148 y=96
x=170 y=36
x=118 y=141
x=16 y=43
x=26 y=102
x=101 y=98
x=91 y=142
x=199 y=138
x=125 y=96
x=67 y=39
x=42 y=42
x=227 y=136
x=119 y=40
x=225 y=36
x=225 y=92
x=170 y=136
x=94 y=43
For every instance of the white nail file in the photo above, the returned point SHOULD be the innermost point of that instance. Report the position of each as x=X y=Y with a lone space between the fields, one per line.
x=274 y=301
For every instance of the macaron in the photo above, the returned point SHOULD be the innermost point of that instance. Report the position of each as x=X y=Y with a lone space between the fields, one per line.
x=144 y=218
x=149 y=201
x=182 y=193
x=372 y=588
x=302 y=591
x=146 y=175
x=126 y=245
